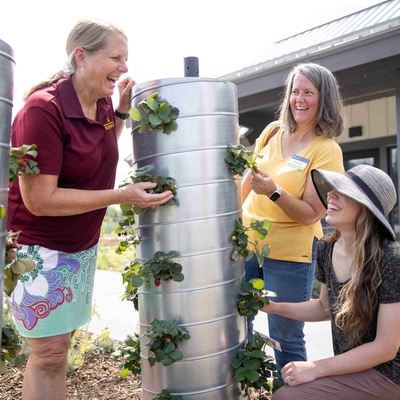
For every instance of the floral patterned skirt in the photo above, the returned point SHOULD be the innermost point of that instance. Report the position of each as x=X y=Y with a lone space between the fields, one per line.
x=56 y=296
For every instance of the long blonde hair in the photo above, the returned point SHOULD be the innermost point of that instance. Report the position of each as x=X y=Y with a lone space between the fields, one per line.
x=358 y=298
x=91 y=35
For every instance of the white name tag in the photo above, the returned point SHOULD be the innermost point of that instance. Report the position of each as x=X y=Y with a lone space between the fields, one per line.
x=298 y=162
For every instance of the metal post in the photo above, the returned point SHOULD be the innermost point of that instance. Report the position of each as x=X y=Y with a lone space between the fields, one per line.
x=205 y=302
x=7 y=63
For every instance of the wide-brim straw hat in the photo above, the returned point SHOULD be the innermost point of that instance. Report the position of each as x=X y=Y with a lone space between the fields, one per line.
x=367 y=185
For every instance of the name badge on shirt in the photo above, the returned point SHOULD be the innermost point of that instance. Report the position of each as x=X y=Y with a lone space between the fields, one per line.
x=298 y=162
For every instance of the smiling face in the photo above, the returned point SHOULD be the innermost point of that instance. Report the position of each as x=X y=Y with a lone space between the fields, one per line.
x=103 y=68
x=304 y=101
x=342 y=212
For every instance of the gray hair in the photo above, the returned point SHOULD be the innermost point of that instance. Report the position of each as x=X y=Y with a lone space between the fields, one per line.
x=91 y=35
x=330 y=117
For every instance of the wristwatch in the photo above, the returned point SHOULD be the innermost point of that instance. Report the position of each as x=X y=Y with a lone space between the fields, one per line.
x=121 y=116
x=274 y=196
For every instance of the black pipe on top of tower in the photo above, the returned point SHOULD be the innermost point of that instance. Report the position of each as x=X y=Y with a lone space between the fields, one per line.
x=191 y=67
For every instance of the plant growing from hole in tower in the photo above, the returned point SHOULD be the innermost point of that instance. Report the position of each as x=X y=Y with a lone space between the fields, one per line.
x=255 y=370
x=164 y=337
x=252 y=297
x=155 y=114
x=159 y=268
x=163 y=183
x=239 y=159
x=126 y=230
x=245 y=248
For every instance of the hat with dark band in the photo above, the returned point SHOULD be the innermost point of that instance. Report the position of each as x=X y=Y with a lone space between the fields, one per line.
x=366 y=185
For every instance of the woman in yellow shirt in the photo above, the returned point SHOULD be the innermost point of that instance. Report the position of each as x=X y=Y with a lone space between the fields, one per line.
x=311 y=114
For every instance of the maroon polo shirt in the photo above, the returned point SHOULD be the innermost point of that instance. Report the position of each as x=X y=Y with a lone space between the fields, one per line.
x=82 y=152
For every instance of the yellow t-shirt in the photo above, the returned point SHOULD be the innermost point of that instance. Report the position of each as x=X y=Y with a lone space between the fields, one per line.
x=289 y=240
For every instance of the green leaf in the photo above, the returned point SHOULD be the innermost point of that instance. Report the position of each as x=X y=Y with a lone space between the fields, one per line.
x=236 y=363
x=164 y=110
x=152 y=103
x=124 y=373
x=155 y=120
x=179 y=277
x=135 y=114
x=125 y=207
x=240 y=374
x=167 y=361
x=174 y=112
x=136 y=281
x=266 y=250
x=2 y=211
x=252 y=363
x=142 y=128
x=168 y=348
x=176 y=355
x=252 y=375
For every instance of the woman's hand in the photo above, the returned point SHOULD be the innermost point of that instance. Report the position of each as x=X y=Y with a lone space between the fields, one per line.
x=306 y=211
x=124 y=88
x=261 y=183
x=298 y=372
x=267 y=308
x=136 y=194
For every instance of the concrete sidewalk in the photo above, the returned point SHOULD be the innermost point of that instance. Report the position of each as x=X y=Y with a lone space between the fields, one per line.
x=122 y=319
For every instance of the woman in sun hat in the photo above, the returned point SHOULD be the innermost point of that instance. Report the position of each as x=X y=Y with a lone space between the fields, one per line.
x=358 y=265
x=72 y=120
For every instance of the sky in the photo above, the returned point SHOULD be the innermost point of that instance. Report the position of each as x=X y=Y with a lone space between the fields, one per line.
x=225 y=35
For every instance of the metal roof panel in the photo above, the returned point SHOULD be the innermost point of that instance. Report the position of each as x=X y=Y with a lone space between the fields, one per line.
x=366 y=22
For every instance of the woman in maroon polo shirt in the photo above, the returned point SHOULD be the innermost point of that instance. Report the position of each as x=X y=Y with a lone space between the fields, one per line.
x=71 y=119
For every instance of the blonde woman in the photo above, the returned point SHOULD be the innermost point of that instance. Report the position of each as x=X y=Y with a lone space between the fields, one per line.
x=72 y=120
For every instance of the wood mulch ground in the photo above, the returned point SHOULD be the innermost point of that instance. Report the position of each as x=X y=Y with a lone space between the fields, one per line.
x=96 y=379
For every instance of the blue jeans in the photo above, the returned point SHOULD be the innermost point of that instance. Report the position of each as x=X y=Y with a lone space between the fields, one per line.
x=292 y=282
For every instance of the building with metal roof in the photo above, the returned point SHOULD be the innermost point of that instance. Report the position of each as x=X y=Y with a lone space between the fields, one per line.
x=363 y=51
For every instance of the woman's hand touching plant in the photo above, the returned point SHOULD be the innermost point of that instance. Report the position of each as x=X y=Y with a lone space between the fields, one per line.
x=152 y=184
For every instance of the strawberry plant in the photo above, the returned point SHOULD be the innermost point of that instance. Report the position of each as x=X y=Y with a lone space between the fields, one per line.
x=129 y=352
x=159 y=268
x=165 y=395
x=14 y=266
x=239 y=159
x=252 y=297
x=163 y=183
x=126 y=230
x=242 y=243
x=156 y=114
x=11 y=349
x=255 y=370
x=20 y=163
x=164 y=337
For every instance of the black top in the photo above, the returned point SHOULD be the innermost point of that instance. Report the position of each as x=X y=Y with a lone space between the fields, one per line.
x=388 y=292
